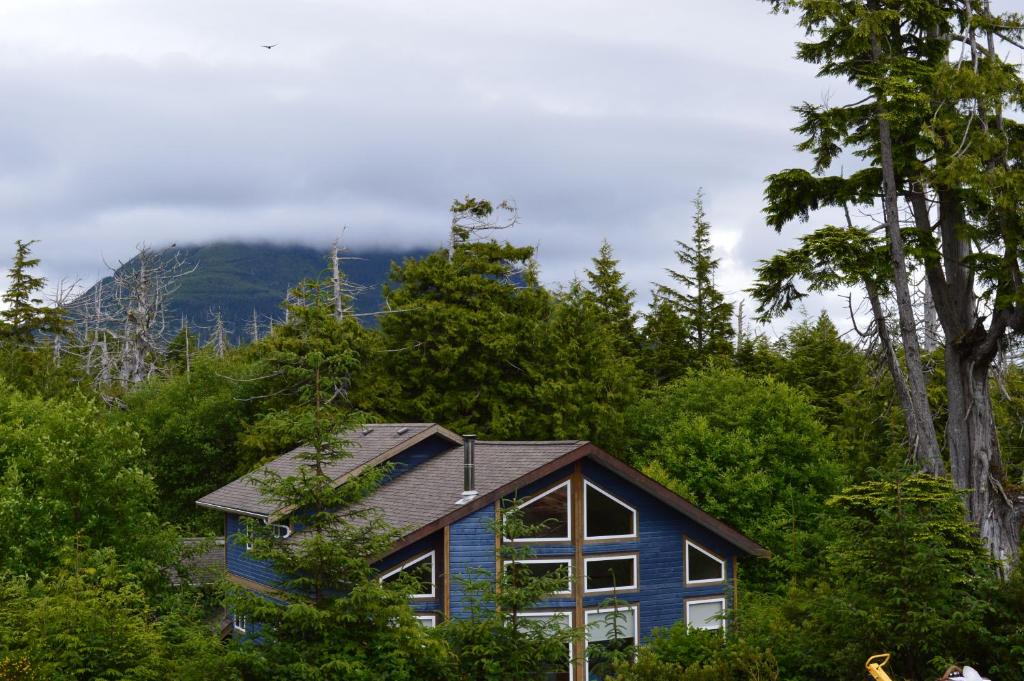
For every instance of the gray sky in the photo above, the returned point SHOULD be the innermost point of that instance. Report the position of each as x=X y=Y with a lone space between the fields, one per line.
x=164 y=120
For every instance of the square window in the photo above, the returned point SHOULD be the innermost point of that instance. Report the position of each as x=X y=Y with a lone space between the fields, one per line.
x=705 y=613
x=610 y=573
x=543 y=567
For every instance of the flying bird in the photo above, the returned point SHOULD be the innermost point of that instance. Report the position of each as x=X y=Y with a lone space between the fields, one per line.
x=269 y=46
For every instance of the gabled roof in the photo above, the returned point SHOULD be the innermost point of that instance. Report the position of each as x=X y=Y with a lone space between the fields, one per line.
x=370 y=445
x=423 y=499
x=500 y=469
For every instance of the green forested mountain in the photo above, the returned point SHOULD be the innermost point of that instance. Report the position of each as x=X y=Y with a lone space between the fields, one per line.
x=237 y=278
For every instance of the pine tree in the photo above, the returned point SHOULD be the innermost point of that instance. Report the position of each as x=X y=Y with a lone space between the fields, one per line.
x=688 y=325
x=613 y=297
x=25 y=315
x=703 y=308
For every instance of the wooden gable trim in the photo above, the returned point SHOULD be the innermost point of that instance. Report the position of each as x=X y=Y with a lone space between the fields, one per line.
x=624 y=470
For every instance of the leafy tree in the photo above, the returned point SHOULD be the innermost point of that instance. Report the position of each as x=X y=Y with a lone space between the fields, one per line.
x=498 y=642
x=664 y=354
x=24 y=315
x=748 y=450
x=932 y=127
x=91 y=619
x=69 y=470
x=613 y=297
x=190 y=425
x=332 y=618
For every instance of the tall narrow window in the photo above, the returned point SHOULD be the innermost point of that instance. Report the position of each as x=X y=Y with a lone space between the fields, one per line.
x=606 y=517
x=420 y=570
x=547 y=514
x=702 y=566
x=564 y=620
x=705 y=613
x=608 y=630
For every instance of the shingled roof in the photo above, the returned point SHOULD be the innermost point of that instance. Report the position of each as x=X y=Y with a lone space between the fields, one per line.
x=370 y=445
x=423 y=499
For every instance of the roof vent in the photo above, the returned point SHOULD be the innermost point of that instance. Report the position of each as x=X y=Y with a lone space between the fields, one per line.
x=367 y=430
x=468 y=469
x=403 y=430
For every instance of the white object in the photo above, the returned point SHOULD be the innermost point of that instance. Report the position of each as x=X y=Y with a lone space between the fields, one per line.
x=971 y=674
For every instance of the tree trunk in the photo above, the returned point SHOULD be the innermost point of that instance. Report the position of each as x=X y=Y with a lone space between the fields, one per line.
x=925 y=442
x=974 y=456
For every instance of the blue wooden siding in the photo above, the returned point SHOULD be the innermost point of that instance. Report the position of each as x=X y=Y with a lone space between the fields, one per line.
x=239 y=562
x=417 y=454
x=471 y=547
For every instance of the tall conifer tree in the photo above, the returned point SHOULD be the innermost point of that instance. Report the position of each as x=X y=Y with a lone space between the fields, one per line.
x=614 y=298
x=24 y=314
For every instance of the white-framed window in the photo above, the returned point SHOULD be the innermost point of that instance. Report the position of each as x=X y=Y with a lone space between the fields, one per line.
x=542 y=567
x=613 y=628
x=610 y=573
x=239 y=623
x=247 y=530
x=566 y=619
x=606 y=516
x=705 y=613
x=703 y=566
x=428 y=621
x=422 y=568
x=552 y=509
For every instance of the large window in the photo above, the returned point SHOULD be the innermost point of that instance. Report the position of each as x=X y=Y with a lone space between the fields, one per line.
x=702 y=566
x=420 y=569
x=705 y=613
x=547 y=512
x=610 y=573
x=543 y=567
x=563 y=619
x=606 y=517
x=608 y=629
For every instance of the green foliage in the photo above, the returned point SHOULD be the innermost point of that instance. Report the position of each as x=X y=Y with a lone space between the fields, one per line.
x=748 y=450
x=190 y=424
x=69 y=470
x=614 y=298
x=23 y=316
x=90 y=619
x=687 y=327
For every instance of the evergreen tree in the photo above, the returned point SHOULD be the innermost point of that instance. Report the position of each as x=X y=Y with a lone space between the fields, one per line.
x=24 y=315
x=689 y=325
x=333 y=619
x=464 y=323
x=613 y=297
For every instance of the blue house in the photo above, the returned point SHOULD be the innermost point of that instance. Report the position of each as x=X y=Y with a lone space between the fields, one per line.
x=617 y=531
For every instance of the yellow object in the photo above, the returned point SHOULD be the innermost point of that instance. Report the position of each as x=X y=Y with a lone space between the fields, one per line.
x=874 y=667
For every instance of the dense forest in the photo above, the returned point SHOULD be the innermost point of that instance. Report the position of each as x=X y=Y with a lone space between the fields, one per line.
x=883 y=467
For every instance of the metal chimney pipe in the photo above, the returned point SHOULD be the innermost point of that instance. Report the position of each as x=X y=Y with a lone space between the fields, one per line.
x=468 y=464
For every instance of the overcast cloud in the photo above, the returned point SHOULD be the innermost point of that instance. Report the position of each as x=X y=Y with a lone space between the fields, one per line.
x=164 y=120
